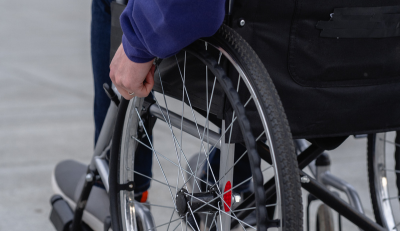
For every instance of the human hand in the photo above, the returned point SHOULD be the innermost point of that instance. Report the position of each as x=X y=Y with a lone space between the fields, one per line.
x=130 y=78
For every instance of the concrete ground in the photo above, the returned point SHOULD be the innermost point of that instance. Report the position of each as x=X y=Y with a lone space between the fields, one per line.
x=45 y=103
x=46 y=109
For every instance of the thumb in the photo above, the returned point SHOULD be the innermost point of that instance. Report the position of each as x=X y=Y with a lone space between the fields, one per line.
x=149 y=81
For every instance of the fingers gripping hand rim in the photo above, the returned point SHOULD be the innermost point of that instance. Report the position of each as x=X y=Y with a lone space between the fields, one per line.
x=131 y=79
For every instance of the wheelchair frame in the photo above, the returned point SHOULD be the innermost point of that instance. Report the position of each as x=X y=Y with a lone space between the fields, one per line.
x=98 y=169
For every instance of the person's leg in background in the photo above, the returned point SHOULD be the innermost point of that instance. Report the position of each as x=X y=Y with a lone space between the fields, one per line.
x=100 y=51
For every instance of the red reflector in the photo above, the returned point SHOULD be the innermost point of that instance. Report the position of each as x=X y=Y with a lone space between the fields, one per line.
x=227 y=196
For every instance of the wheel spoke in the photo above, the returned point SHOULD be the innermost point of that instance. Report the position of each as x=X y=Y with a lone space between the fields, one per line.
x=390 y=198
x=240 y=222
x=170 y=127
x=173 y=212
x=392 y=170
x=208 y=203
x=213 y=147
x=194 y=218
x=237 y=161
x=162 y=206
x=183 y=92
x=396 y=226
x=162 y=170
x=233 y=214
x=271 y=205
x=220 y=219
x=218 y=209
x=165 y=224
x=183 y=112
x=172 y=133
x=150 y=178
x=226 y=130
x=166 y=158
x=191 y=175
x=212 y=222
x=187 y=223
x=177 y=226
x=390 y=142
x=206 y=125
x=197 y=127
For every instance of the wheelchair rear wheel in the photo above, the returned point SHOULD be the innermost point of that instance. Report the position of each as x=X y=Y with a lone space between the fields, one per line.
x=384 y=178
x=209 y=197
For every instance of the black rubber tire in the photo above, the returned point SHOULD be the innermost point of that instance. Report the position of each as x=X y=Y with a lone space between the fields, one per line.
x=371 y=177
x=287 y=165
x=114 y=165
x=286 y=162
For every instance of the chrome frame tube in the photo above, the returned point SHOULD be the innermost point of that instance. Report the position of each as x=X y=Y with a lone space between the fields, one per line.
x=354 y=199
x=103 y=170
x=187 y=125
x=105 y=134
x=338 y=204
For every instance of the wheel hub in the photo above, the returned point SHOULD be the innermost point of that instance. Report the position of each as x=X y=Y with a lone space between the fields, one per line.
x=198 y=202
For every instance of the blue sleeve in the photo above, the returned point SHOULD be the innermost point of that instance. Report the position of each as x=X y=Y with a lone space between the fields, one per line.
x=160 y=28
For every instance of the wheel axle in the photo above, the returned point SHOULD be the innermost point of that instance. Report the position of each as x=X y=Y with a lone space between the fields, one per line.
x=196 y=201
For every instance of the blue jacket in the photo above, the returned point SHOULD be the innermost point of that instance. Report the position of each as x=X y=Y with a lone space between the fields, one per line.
x=160 y=28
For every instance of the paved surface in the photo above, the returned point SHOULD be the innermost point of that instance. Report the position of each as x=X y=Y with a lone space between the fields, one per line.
x=45 y=103
x=46 y=98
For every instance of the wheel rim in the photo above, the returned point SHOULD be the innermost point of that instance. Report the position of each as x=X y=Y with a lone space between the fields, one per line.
x=127 y=198
x=384 y=180
x=126 y=175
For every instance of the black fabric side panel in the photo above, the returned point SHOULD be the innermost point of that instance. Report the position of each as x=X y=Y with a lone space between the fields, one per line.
x=367 y=10
x=343 y=108
x=360 y=33
x=358 y=46
x=362 y=22
x=392 y=22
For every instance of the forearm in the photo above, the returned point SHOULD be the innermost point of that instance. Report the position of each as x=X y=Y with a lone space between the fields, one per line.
x=160 y=28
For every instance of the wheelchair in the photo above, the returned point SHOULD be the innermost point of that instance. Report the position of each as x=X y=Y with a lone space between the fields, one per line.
x=335 y=67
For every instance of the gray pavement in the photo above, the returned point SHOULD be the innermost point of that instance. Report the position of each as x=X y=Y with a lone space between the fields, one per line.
x=45 y=103
x=46 y=109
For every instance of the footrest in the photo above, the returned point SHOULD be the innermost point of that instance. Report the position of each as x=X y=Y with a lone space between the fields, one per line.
x=61 y=214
